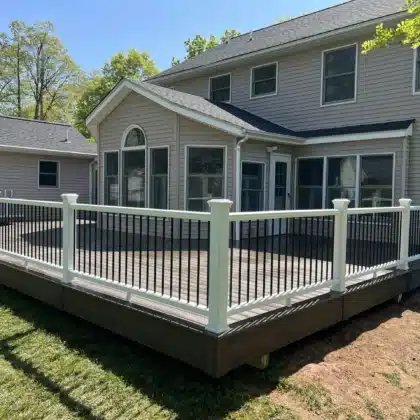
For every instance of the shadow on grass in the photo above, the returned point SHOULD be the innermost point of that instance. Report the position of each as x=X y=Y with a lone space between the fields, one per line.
x=169 y=383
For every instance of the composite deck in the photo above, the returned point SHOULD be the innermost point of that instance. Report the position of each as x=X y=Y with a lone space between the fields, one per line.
x=178 y=272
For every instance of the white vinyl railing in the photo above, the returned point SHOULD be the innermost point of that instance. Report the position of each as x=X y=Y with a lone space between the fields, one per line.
x=215 y=265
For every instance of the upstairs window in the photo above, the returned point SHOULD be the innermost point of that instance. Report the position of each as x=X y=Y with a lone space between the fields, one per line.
x=48 y=174
x=264 y=80
x=339 y=75
x=220 y=88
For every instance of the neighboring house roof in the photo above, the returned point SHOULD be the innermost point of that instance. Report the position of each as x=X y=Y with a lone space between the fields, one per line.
x=346 y=15
x=26 y=135
x=236 y=121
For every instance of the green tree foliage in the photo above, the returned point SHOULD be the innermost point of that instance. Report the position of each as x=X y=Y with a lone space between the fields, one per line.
x=133 y=65
x=37 y=75
x=407 y=31
x=199 y=44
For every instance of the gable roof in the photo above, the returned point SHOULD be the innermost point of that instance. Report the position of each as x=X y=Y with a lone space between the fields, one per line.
x=26 y=135
x=239 y=122
x=346 y=15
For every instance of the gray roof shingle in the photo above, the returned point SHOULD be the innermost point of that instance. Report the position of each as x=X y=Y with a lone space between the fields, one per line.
x=34 y=134
x=248 y=121
x=221 y=111
x=343 y=15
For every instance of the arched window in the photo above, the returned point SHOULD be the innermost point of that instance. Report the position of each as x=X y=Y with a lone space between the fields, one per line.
x=133 y=191
x=135 y=138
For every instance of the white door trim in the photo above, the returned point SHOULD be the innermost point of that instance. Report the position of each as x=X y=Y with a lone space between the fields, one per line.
x=274 y=158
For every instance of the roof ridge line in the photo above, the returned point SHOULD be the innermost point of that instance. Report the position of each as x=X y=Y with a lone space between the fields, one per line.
x=12 y=117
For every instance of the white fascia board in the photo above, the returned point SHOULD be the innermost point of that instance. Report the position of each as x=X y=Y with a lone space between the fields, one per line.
x=275 y=138
x=391 y=134
x=52 y=152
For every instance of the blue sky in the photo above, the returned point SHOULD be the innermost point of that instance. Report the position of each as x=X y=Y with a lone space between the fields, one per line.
x=93 y=30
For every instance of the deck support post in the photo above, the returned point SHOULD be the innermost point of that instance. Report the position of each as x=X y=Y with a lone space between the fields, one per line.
x=340 y=245
x=68 y=235
x=405 y=232
x=219 y=265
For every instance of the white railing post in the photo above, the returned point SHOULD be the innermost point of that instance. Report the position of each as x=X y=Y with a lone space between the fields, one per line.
x=219 y=265
x=68 y=235
x=340 y=245
x=405 y=232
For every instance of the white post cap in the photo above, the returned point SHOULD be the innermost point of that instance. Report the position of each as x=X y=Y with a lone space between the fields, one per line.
x=341 y=203
x=405 y=202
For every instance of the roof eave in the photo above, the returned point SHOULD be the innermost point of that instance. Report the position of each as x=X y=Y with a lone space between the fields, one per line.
x=275 y=138
x=292 y=44
x=52 y=152
x=110 y=102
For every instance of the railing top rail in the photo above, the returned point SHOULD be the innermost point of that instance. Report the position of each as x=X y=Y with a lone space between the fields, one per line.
x=280 y=214
x=136 y=211
x=37 y=203
x=375 y=210
x=415 y=208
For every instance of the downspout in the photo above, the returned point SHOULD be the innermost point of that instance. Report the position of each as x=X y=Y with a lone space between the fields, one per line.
x=238 y=180
x=404 y=167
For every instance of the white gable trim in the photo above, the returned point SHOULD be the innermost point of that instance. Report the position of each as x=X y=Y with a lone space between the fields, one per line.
x=52 y=152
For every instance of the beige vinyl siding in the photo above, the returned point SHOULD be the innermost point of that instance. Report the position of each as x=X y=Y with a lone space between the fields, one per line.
x=362 y=148
x=192 y=133
x=384 y=93
x=19 y=172
x=158 y=124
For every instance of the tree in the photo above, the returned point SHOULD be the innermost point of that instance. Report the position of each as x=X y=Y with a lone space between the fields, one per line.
x=407 y=31
x=133 y=65
x=37 y=74
x=197 y=45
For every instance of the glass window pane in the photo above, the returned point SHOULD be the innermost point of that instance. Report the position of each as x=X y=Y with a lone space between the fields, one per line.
x=264 y=87
x=205 y=160
x=221 y=95
x=134 y=187
x=218 y=83
x=310 y=172
x=159 y=191
x=47 y=180
x=46 y=167
x=376 y=174
x=263 y=73
x=309 y=198
x=197 y=205
x=339 y=88
x=111 y=191
x=111 y=163
x=252 y=186
x=341 y=179
x=159 y=161
x=135 y=138
x=340 y=61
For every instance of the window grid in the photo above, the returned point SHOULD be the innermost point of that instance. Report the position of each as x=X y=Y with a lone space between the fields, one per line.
x=220 y=94
x=255 y=81
x=258 y=191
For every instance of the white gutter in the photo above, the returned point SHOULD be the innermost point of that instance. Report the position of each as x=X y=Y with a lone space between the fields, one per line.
x=238 y=180
x=55 y=152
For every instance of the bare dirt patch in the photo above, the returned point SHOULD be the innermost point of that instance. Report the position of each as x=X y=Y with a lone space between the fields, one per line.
x=368 y=368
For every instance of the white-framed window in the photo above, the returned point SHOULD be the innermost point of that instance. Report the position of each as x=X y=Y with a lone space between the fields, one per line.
x=339 y=75
x=220 y=87
x=416 y=72
x=48 y=174
x=205 y=176
x=365 y=180
x=133 y=162
x=159 y=177
x=264 y=80
x=111 y=178
x=253 y=181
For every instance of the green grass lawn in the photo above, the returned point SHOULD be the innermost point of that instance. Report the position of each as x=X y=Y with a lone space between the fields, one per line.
x=54 y=366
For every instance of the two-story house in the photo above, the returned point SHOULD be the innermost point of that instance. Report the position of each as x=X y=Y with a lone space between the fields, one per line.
x=288 y=116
